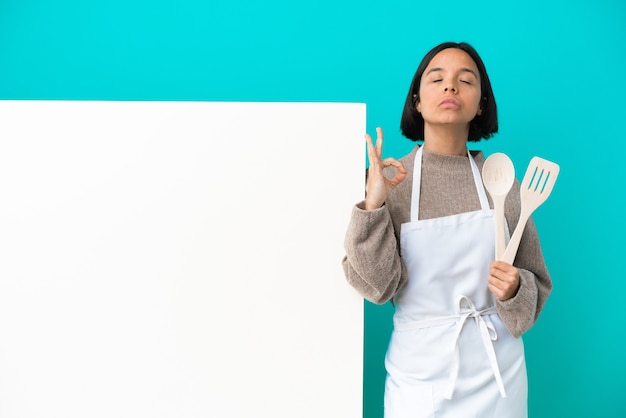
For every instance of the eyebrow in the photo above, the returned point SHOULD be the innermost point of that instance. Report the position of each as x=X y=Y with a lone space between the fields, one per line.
x=464 y=69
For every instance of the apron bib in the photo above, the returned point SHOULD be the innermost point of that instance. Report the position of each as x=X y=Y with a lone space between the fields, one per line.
x=450 y=354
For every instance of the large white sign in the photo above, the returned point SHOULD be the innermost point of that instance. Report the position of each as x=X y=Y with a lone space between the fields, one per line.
x=178 y=259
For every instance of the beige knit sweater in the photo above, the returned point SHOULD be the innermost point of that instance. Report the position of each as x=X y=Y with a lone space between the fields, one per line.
x=373 y=265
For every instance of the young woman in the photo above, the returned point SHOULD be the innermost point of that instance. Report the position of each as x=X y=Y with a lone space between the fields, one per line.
x=423 y=237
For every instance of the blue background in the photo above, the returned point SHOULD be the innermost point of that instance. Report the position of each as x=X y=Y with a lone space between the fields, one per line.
x=558 y=70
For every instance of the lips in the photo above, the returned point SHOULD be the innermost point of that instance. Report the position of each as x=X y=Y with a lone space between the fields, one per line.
x=449 y=104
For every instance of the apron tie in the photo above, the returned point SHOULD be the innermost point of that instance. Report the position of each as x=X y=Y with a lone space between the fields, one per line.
x=488 y=334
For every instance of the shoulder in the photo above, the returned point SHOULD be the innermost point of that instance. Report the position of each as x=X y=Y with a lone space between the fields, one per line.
x=409 y=159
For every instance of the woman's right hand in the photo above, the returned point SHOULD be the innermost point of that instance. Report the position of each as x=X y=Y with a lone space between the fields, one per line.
x=377 y=184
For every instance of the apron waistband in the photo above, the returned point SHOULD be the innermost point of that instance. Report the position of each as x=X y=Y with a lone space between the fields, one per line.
x=466 y=310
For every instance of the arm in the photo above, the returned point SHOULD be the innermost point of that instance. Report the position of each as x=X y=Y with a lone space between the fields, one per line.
x=372 y=263
x=520 y=312
x=522 y=307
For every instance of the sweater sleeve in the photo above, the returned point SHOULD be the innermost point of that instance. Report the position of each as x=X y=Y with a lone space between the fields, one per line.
x=372 y=263
x=521 y=312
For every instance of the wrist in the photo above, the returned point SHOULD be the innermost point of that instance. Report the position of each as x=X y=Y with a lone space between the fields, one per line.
x=373 y=205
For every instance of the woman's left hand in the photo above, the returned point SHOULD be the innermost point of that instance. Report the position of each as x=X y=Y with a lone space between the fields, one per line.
x=503 y=280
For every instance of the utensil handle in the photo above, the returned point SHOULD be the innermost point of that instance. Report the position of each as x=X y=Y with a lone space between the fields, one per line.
x=511 y=249
x=499 y=227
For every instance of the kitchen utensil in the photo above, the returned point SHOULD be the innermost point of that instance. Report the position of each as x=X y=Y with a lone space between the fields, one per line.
x=498 y=177
x=535 y=188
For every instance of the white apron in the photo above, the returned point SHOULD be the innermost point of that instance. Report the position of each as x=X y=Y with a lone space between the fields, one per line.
x=450 y=354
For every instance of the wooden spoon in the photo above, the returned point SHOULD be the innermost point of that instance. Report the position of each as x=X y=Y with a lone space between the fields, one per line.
x=498 y=177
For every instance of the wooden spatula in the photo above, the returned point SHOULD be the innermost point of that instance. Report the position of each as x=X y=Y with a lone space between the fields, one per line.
x=535 y=189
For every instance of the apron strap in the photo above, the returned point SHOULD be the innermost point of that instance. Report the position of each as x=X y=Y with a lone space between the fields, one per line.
x=417 y=182
x=478 y=181
x=488 y=334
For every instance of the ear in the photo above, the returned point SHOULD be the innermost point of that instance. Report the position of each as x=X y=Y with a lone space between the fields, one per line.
x=417 y=104
x=480 y=106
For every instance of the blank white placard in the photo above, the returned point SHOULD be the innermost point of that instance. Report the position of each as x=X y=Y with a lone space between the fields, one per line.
x=178 y=259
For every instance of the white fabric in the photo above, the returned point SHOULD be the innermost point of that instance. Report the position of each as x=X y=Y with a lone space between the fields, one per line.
x=439 y=364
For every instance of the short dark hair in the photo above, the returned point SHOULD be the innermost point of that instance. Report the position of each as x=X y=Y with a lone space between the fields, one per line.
x=482 y=126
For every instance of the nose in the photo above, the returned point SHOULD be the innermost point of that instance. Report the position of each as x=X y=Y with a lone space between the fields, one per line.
x=451 y=89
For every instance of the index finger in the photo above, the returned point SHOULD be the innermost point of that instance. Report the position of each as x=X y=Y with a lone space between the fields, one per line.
x=503 y=267
x=379 y=141
x=400 y=170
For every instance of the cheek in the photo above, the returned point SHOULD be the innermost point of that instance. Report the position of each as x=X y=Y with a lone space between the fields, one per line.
x=425 y=100
x=479 y=106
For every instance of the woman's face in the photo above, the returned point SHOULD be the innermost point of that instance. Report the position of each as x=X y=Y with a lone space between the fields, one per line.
x=450 y=89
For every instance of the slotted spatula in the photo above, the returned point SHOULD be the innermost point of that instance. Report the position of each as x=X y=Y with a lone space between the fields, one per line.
x=535 y=189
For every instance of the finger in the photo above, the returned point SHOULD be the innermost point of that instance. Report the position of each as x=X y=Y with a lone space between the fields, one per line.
x=400 y=174
x=505 y=286
x=401 y=171
x=502 y=282
x=503 y=266
x=501 y=290
x=387 y=162
x=371 y=151
x=504 y=276
x=495 y=282
x=379 y=141
x=398 y=178
x=496 y=292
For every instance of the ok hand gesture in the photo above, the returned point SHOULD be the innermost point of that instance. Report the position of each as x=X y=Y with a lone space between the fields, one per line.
x=377 y=184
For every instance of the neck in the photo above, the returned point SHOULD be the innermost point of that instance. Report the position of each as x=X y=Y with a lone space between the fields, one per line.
x=448 y=140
